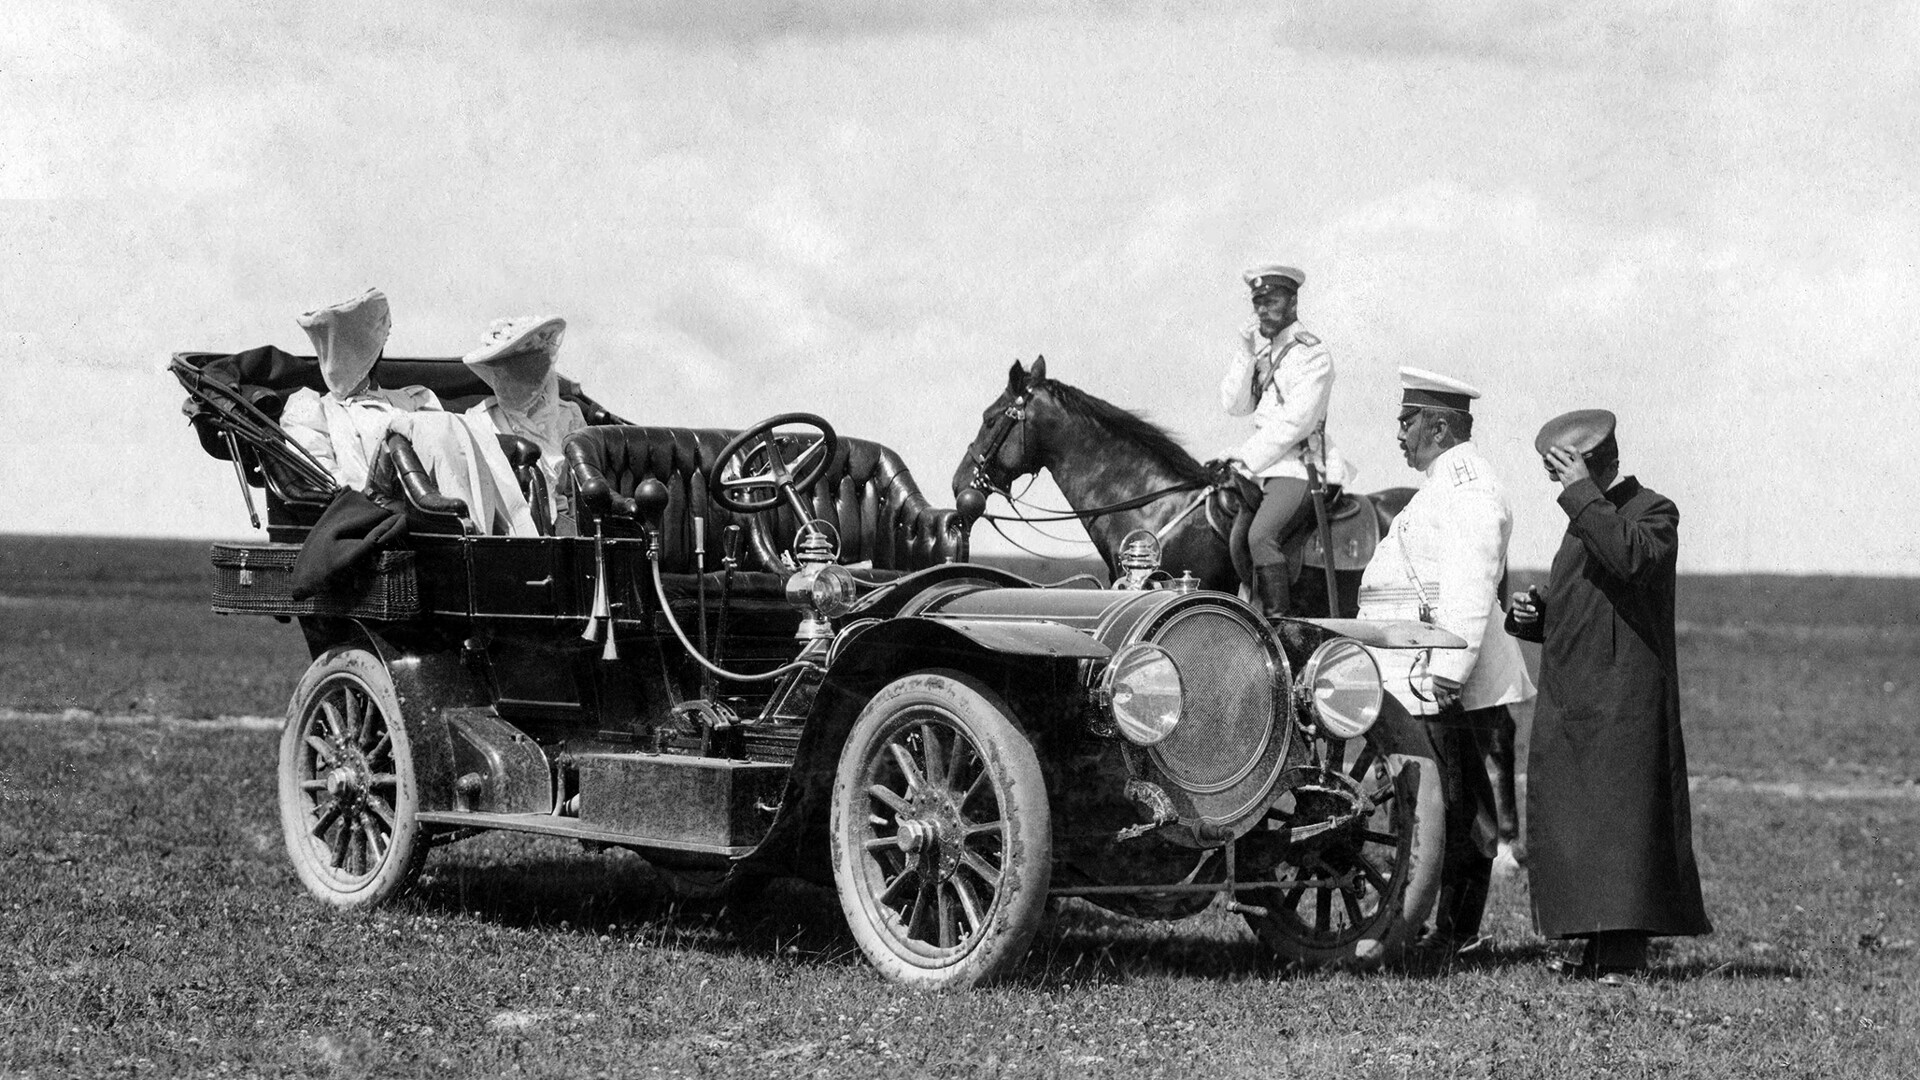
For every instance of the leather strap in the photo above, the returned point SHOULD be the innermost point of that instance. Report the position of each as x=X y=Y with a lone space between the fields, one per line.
x=1274 y=371
x=1419 y=587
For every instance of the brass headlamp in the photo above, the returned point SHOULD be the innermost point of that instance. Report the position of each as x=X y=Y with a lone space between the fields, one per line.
x=821 y=590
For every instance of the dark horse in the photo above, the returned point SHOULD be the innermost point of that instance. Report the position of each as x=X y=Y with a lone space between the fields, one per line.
x=1103 y=456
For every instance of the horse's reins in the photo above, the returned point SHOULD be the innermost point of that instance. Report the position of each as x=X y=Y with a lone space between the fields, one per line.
x=1111 y=508
x=1016 y=501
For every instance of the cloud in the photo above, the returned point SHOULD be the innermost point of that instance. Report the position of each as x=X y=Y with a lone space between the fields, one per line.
x=1659 y=39
x=749 y=23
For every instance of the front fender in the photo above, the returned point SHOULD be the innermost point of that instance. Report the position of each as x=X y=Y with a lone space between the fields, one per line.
x=430 y=684
x=1005 y=638
x=1033 y=666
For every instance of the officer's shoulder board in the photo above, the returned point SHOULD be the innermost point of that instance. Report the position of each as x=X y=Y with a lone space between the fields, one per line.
x=1305 y=338
x=1463 y=472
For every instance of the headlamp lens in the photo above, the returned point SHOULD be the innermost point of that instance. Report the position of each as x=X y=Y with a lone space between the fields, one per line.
x=1344 y=684
x=833 y=591
x=824 y=589
x=1142 y=688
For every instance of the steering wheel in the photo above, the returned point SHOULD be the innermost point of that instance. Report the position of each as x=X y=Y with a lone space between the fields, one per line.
x=787 y=479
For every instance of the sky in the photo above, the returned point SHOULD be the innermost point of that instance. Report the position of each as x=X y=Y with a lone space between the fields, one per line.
x=1701 y=216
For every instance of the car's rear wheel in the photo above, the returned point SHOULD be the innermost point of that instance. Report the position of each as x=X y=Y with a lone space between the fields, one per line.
x=348 y=794
x=1355 y=896
x=942 y=843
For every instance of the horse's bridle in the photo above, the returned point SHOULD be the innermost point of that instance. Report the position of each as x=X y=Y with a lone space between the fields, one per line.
x=983 y=459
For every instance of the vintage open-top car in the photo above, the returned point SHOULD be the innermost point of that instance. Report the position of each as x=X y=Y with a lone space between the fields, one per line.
x=763 y=653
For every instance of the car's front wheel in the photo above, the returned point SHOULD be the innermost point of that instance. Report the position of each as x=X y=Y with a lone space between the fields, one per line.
x=348 y=795
x=942 y=843
x=1356 y=894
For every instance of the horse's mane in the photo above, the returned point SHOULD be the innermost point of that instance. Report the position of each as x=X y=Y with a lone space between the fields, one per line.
x=1130 y=426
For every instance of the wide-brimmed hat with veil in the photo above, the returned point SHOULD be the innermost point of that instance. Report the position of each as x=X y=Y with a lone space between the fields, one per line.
x=349 y=337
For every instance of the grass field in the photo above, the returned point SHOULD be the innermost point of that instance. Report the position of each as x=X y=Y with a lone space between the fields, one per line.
x=156 y=929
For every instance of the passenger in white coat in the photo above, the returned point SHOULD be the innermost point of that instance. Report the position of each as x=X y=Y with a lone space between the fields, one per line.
x=516 y=359
x=1282 y=374
x=344 y=428
x=1442 y=562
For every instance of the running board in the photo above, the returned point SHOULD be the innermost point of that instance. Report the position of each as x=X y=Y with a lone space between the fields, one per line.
x=569 y=828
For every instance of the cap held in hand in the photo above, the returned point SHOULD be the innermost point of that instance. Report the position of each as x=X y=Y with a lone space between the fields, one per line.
x=1587 y=432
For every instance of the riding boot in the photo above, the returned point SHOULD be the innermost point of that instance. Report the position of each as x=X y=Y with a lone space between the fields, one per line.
x=1274 y=591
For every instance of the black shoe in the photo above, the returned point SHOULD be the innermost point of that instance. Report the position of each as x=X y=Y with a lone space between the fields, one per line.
x=1603 y=974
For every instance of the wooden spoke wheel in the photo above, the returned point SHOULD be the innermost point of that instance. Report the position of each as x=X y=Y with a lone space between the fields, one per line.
x=1356 y=894
x=348 y=795
x=942 y=849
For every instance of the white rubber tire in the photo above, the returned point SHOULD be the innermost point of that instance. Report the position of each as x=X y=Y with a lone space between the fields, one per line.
x=349 y=798
x=965 y=793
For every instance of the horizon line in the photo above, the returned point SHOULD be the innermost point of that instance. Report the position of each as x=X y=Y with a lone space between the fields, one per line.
x=9 y=535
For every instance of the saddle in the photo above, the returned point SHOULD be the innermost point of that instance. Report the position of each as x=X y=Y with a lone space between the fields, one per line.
x=1354 y=519
x=1356 y=532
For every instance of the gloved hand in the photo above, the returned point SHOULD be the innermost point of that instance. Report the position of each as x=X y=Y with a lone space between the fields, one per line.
x=1526 y=607
x=1221 y=472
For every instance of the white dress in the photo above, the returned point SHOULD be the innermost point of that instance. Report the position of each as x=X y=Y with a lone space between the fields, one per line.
x=461 y=455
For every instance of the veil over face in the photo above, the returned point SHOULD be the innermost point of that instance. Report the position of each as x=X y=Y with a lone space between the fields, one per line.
x=526 y=385
x=348 y=338
x=517 y=360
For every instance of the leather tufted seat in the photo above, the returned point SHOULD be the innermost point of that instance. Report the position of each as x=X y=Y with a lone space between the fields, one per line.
x=866 y=493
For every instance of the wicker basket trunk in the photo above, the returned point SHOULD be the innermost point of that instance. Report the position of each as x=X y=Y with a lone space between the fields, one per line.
x=257 y=579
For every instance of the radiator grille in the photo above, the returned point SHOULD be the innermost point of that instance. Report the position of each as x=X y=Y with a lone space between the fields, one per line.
x=1227 y=718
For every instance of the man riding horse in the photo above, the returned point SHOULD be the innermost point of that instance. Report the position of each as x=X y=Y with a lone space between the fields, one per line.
x=1285 y=382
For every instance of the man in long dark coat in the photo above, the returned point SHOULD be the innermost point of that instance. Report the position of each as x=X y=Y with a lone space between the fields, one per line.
x=1609 y=825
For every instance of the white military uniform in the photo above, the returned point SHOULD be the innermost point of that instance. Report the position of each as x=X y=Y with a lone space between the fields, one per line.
x=1286 y=384
x=1446 y=552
